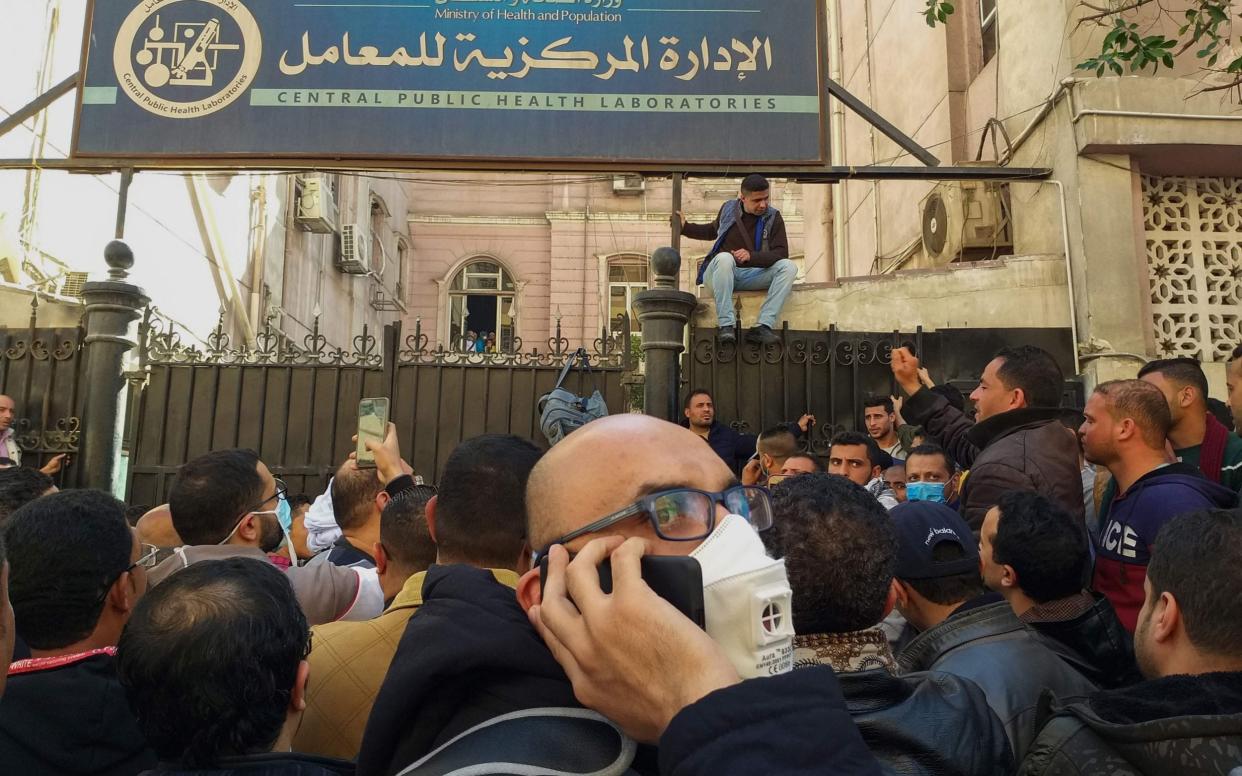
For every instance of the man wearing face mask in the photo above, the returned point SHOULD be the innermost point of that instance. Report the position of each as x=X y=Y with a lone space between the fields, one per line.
x=929 y=474
x=654 y=480
x=227 y=504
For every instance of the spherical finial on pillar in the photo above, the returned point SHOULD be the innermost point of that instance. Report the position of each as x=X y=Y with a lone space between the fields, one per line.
x=665 y=264
x=120 y=258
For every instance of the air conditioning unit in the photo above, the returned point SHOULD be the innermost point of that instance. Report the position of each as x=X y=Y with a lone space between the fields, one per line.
x=958 y=215
x=316 y=208
x=72 y=283
x=354 y=258
x=628 y=185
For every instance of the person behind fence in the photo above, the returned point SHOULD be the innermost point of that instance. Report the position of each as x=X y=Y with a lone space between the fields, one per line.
x=213 y=662
x=77 y=572
x=750 y=253
x=1186 y=719
x=226 y=503
x=1033 y=554
x=1125 y=427
x=19 y=486
x=1197 y=437
x=858 y=458
x=966 y=631
x=840 y=550
x=1016 y=442
x=10 y=451
x=734 y=448
x=349 y=659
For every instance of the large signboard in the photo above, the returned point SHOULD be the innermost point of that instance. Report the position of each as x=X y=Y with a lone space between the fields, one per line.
x=589 y=82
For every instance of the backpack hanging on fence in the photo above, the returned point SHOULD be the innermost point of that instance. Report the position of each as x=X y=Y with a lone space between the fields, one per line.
x=561 y=411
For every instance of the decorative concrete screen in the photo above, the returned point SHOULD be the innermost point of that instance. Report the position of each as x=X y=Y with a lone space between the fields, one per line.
x=1194 y=259
x=488 y=82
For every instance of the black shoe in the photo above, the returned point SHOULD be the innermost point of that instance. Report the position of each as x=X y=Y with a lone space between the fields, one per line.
x=761 y=335
x=726 y=336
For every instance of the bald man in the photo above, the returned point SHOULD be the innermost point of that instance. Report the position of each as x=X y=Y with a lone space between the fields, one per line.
x=599 y=471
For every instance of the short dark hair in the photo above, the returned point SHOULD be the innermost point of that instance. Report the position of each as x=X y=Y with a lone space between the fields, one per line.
x=696 y=392
x=209 y=660
x=852 y=438
x=952 y=394
x=1035 y=371
x=404 y=532
x=778 y=442
x=134 y=512
x=1180 y=371
x=297 y=500
x=754 y=182
x=840 y=550
x=353 y=496
x=480 y=514
x=878 y=401
x=66 y=550
x=819 y=467
x=930 y=449
x=1198 y=559
x=212 y=492
x=1044 y=544
x=1143 y=403
x=20 y=485
x=953 y=589
x=1236 y=354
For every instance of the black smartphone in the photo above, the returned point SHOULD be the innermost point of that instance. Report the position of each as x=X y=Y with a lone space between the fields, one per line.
x=675 y=578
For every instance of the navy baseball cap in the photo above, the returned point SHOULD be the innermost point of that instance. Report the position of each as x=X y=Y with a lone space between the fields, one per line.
x=922 y=526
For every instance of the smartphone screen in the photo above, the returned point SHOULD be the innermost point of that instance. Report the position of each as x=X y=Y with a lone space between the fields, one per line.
x=372 y=424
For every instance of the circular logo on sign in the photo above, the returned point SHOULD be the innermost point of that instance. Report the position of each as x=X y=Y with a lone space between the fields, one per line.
x=187 y=58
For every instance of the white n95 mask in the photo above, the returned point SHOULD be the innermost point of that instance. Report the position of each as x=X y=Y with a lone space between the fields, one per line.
x=746 y=599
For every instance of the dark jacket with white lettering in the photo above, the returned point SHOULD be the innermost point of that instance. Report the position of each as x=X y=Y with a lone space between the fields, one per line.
x=1134 y=518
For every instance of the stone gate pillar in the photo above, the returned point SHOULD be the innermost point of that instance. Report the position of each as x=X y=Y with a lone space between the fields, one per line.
x=113 y=306
x=664 y=312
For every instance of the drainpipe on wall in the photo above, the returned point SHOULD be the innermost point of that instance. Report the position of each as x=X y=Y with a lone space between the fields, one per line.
x=1069 y=272
x=840 y=202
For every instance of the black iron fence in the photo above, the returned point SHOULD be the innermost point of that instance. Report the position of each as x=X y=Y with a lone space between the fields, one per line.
x=297 y=404
x=830 y=373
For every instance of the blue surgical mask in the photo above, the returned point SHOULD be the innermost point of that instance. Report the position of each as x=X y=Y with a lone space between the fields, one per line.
x=284 y=513
x=925 y=491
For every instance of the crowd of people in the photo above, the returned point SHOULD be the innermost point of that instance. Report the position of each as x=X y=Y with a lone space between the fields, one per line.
x=1034 y=590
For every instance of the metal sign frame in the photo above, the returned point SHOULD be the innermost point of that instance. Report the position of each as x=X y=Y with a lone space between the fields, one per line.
x=293 y=161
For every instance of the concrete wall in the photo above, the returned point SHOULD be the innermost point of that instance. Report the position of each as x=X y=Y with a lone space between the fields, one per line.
x=1018 y=292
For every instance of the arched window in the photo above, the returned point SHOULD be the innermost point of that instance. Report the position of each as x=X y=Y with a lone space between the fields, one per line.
x=482 y=301
x=626 y=277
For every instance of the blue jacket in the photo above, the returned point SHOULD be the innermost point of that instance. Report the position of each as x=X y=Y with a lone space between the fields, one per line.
x=1132 y=522
x=792 y=724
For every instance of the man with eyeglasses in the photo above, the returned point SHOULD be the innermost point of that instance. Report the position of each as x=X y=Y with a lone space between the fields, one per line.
x=77 y=571
x=227 y=504
x=624 y=475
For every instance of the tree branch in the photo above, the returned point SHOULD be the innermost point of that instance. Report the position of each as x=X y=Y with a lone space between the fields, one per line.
x=1103 y=13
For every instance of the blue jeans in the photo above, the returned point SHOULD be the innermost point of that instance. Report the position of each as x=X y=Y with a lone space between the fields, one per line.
x=724 y=276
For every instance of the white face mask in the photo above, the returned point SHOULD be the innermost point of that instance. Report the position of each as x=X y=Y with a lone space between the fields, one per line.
x=747 y=600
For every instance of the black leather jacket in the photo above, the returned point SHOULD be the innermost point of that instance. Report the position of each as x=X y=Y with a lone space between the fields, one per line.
x=1183 y=725
x=991 y=647
x=926 y=723
x=1096 y=644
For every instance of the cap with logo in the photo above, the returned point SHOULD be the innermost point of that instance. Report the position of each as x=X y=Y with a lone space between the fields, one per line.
x=922 y=526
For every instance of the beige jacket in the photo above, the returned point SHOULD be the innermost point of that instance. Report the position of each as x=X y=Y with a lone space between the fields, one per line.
x=348 y=662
